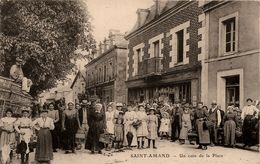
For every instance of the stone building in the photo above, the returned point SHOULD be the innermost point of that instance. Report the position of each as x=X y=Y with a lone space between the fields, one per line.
x=163 y=58
x=231 y=51
x=106 y=73
x=78 y=85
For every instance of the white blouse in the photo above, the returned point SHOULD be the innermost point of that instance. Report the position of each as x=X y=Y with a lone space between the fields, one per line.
x=43 y=123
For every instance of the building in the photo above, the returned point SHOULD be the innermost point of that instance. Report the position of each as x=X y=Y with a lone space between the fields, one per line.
x=106 y=73
x=163 y=58
x=231 y=51
x=78 y=85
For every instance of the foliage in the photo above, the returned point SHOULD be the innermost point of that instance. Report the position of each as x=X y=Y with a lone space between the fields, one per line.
x=45 y=34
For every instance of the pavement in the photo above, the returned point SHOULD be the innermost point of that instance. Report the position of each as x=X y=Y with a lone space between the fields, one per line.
x=166 y=153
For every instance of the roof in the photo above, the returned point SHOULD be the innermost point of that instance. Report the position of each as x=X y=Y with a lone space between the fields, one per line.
x=117 y=46
x=154 y=14
x=79 y=73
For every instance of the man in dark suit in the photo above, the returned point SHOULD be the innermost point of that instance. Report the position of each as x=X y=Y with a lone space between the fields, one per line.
x=83 y=116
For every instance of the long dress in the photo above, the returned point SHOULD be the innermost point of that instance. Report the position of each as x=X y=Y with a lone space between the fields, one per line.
x=71 y=122
x=152 y=127
x=129 y=118
x=110 y=122
x=24 y=125
x=185 y=125
x=230 y=129
x=44 y=140
x=97 y=124
x=142 y=130
x=203 y=134
x=7 y=140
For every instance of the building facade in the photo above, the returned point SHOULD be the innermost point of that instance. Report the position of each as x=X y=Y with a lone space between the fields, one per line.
x=106 y=73
x=231 y=51
x=163 y=53
x=78 y=85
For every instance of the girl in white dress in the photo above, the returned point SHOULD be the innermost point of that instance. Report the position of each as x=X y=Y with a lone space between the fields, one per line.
x=24 y=127
x=129 y=118
x=164 y=127
x=142 y=130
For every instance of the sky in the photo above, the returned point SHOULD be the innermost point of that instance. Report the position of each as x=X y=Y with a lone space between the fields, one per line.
x=114 y=14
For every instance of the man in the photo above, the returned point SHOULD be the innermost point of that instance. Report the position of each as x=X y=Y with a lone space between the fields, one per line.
x=249 y=116
x=83 y=116
x=176 y=128
x=215 y=119
x=54 y=114
x=16 y=73
x=70 y=125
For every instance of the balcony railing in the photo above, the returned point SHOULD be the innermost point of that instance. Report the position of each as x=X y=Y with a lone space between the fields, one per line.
x=150 y=67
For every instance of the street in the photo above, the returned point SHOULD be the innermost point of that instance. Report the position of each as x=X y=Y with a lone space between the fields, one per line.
x=167 y=152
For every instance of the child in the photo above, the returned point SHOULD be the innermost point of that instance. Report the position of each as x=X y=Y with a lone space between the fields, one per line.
x=152 y=127
x=142 y=130
x=110 y=123
x=185 y=124
x=165 y=122
x=119 y=130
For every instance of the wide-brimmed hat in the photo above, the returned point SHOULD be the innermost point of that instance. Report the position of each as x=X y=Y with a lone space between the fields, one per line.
x=44 y=111
x=25 y=110
x=141 y=104
x=84 y=102
x=70 y=103
x=152 y=108
x=165 y=113
x=214 y=102
x=119 y=104
x=18 y=59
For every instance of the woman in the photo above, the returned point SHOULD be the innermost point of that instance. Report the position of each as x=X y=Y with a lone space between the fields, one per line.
x=129 y=118
x=200 y=115
x=7 y=140
x=152 y=122
x=70 y=125
x=230 y=128
x=142 y=130
x=44 y=124
x=54 y=114
x=24 y=127
x=97 y=125
x=185 y=124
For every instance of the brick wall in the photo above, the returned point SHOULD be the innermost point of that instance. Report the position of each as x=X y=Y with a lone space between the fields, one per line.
x=189 y=13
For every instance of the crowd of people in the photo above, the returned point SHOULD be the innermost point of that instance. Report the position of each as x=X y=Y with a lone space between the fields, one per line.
x=119 y=127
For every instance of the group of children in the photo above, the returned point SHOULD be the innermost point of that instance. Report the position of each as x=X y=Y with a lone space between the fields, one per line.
x=133 y=127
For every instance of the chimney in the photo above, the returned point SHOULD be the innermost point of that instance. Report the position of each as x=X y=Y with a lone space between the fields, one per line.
x=101 y=48
x=141 y=16
x=115 y=37
x=157 y=7
x=107 y=43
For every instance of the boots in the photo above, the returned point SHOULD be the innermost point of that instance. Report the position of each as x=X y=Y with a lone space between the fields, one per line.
x=27 y=158
x=138 y=144
x=142 y=144
x=154 y=145
x=149 y=141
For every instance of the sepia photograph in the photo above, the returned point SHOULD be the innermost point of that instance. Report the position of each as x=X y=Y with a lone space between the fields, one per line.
x=129 y=81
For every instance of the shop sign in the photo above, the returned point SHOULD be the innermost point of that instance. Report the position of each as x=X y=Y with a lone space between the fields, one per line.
x=167 y=90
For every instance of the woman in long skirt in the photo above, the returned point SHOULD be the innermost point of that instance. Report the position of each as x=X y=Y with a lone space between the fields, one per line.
x=97 y=125
x=44 y=124
x=142 y=130
x=185 y=124
x=230 y=128
x=152 y=127
x=129 y=118
x=7 y=139
x=200 y=115
x=24 y=127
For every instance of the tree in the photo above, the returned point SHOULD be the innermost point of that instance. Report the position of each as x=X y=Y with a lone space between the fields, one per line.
x=46 y=35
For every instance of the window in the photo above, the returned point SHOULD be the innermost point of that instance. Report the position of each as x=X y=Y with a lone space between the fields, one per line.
x=180 y=39
x=100 y=75
x=139 y=56
x=105 y=73
x=156 y=49
x=230 y=35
